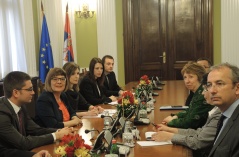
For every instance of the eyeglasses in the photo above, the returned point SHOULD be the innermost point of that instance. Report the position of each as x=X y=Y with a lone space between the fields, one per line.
x=217 y=85
x=62 y=79
x=204 y=88
x=28 y=89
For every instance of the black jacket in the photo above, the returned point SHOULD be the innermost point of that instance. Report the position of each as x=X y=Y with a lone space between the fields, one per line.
x=77 y=101
x=90 y=92
x=48 y=113
x=111 y=86
x=10 y=136
x=9 y=152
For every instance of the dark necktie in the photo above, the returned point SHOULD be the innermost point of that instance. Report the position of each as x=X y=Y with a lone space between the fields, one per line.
x=21 y=122
x=107 y=80
x=219 y=125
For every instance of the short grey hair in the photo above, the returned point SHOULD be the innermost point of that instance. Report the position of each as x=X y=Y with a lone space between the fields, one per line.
x=234 y=70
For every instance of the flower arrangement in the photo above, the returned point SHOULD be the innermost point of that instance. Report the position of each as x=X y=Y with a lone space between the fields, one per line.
x=127 y=103
x=144 y=85
x=73 y=146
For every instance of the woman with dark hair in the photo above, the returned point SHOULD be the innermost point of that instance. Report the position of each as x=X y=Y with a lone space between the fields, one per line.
x=77 y=101
x=52 y=108
x=196 y=115
x=91 y=86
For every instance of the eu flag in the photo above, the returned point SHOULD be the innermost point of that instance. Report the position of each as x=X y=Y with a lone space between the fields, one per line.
x=45 y=55
x=68 y=55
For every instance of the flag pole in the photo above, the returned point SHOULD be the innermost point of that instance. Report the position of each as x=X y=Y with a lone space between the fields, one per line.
x=42 y=7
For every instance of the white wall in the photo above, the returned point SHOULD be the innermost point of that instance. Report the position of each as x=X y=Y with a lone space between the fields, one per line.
x=230 y=31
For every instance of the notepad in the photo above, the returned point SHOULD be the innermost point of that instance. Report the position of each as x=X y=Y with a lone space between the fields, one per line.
x=148 y=135
x=111 y=113
x=173 y=107
x=113 y=103
x=153 y=143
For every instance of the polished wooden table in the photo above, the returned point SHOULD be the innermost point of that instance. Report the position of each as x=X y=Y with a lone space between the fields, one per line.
x=173 y=93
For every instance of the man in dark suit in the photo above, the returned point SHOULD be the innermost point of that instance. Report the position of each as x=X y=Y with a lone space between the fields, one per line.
x=205 y=62
x=17 y=128
x=110 y=83
x=5 y=152
x=223 y=86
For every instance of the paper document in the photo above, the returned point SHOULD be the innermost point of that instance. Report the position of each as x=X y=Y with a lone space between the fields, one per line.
x=152 y=143
x=173 y=107
x=111 y=113
x=148 y=135
x=113 y=103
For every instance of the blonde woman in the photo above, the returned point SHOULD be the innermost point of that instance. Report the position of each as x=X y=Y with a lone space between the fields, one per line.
x=52 y=108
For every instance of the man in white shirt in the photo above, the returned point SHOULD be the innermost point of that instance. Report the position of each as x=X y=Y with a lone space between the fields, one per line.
x=199 y=140
x=223 y=86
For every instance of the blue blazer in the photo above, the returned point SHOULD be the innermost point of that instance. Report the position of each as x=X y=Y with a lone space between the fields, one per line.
x=48 y=113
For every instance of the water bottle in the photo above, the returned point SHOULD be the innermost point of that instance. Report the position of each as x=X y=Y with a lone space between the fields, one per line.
x=114 y=148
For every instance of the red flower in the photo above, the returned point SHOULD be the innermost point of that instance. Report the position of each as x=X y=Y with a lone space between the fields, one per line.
x=144 y=77
x=120 y=100
x=69 y=149
x=127 y=95
x=87 y=146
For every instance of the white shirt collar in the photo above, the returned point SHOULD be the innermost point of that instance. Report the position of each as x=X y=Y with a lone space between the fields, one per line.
x=212 y=111
x=15 y=107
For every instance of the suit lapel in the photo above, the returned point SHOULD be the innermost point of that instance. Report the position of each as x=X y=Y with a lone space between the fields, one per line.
x=224 y=132
x=12 y=112
x=225 y=129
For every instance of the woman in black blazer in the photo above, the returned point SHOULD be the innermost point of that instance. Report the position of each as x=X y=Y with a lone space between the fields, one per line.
x=52 y=108
x=77 y=101
x=91 y=86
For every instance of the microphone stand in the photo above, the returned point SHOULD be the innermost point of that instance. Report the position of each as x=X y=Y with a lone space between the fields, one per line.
x=99 y=145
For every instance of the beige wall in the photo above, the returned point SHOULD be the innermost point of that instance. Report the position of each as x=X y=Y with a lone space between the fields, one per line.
x=86 y=37
x=120 y=44
x=86 y=40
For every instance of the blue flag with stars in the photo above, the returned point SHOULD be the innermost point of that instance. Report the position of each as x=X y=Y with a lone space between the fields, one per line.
x=45 y=55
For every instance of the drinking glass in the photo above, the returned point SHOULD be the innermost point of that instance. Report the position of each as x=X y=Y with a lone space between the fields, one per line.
x=107 y=122
x=128 y=139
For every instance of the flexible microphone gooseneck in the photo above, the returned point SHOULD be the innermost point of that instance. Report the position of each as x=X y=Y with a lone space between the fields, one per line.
x=103 y=116
x=99 y=143
x=87 y=131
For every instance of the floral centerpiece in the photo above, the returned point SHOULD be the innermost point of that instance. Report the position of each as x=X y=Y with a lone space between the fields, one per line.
x=72 y=146
x=127 y=103
x=144 y=85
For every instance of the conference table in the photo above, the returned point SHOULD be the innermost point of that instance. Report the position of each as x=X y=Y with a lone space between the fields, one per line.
x=173 y=93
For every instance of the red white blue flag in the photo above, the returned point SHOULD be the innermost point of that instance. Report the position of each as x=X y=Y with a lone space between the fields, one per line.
x=68 y=55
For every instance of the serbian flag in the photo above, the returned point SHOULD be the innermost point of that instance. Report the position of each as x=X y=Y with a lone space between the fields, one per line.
x=68 y=55
x=45 y=55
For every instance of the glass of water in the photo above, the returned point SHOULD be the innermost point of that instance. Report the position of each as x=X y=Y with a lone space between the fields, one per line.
x=107 y=120
x=128 y=139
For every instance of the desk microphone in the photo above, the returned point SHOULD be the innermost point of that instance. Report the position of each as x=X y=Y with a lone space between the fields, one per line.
x=103 y=116
x=159 y=82
x=87 y=131
x=99 y=143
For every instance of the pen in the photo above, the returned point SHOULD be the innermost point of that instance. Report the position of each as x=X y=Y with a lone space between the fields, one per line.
x=155 y=125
